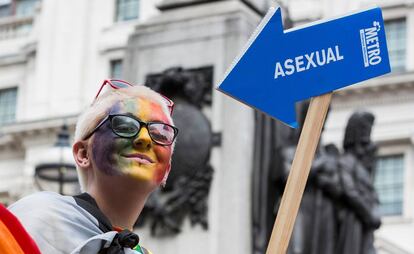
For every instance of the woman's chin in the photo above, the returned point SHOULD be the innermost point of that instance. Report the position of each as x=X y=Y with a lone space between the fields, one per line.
x=141 y=174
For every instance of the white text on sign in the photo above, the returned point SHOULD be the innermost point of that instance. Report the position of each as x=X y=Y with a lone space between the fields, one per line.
x=308 y=61
x=370 y=44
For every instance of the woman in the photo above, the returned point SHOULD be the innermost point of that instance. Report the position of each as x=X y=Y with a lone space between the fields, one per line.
x=123 y=147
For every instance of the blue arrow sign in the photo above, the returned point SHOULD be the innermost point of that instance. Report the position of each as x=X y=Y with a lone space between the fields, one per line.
x=280 y=68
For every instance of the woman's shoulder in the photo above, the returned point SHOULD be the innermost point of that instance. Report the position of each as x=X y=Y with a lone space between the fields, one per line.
x=44 y=203
x=47 y=206
x=40 y=201
x=55 y=221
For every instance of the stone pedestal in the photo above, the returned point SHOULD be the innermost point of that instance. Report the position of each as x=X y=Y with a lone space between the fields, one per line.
x=210 y=34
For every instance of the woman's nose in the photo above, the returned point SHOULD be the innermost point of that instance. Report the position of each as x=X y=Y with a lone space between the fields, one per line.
x=143 y=139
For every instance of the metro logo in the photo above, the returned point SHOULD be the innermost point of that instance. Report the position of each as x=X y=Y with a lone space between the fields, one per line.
x=370 y=44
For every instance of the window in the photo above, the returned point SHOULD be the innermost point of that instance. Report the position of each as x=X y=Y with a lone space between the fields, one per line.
x=116 y=69
x=17 y=7
x=8 y=105
x=396 y=38
x=26 y=7
x=5 y=8
x=126 y=10
x=389 y=183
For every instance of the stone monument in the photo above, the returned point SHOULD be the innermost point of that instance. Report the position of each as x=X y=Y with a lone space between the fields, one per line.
x=206 y=34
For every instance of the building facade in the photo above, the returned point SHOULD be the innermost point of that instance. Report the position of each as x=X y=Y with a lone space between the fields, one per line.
x=53 y=56
x=55 y=53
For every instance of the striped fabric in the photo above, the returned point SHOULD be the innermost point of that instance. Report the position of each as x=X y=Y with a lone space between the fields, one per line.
x=13 y=237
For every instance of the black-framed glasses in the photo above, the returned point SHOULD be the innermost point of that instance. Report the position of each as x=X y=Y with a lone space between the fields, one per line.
x=127 y=126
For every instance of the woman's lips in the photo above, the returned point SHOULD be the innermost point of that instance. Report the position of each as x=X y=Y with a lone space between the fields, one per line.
x=140 y=158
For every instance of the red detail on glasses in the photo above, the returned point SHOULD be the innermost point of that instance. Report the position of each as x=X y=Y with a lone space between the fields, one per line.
x=114 y=86
x=117 y=84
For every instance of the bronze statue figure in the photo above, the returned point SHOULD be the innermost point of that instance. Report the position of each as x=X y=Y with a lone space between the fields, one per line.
x=339 y=209
x=359 y=215
x=315 y=228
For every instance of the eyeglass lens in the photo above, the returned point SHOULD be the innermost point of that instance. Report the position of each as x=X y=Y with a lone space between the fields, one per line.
x=128 y=127
x=119 y=83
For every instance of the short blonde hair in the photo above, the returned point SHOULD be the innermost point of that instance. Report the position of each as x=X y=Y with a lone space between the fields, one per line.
x=99 y=109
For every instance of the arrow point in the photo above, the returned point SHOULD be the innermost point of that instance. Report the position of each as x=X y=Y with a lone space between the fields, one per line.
x=273 y=20
x=278 y=13
x=278 y=21
x=293 y=124
x=285 y=112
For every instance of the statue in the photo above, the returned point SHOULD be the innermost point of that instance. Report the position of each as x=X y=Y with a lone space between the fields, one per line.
x=359 y=215
x=339 y=209
x=315 y=228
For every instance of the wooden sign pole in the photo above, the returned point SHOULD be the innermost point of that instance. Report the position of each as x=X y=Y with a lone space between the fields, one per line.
x=299 y=172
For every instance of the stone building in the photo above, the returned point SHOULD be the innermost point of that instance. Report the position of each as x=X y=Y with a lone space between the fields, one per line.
x=55 y=53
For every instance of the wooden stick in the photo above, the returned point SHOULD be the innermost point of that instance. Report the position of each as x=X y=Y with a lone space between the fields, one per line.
x=299 y=172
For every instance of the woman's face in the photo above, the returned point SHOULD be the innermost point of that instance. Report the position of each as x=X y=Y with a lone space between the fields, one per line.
x=138 y=157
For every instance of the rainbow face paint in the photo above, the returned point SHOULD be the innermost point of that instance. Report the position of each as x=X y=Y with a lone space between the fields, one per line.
x=139 y=157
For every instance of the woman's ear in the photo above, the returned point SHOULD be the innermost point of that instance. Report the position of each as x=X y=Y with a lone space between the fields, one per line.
x=81 y=155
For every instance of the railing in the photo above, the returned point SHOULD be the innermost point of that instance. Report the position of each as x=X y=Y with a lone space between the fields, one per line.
x=15 y=27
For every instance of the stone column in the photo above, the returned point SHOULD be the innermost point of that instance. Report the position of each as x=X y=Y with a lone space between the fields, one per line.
x=206 y=34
